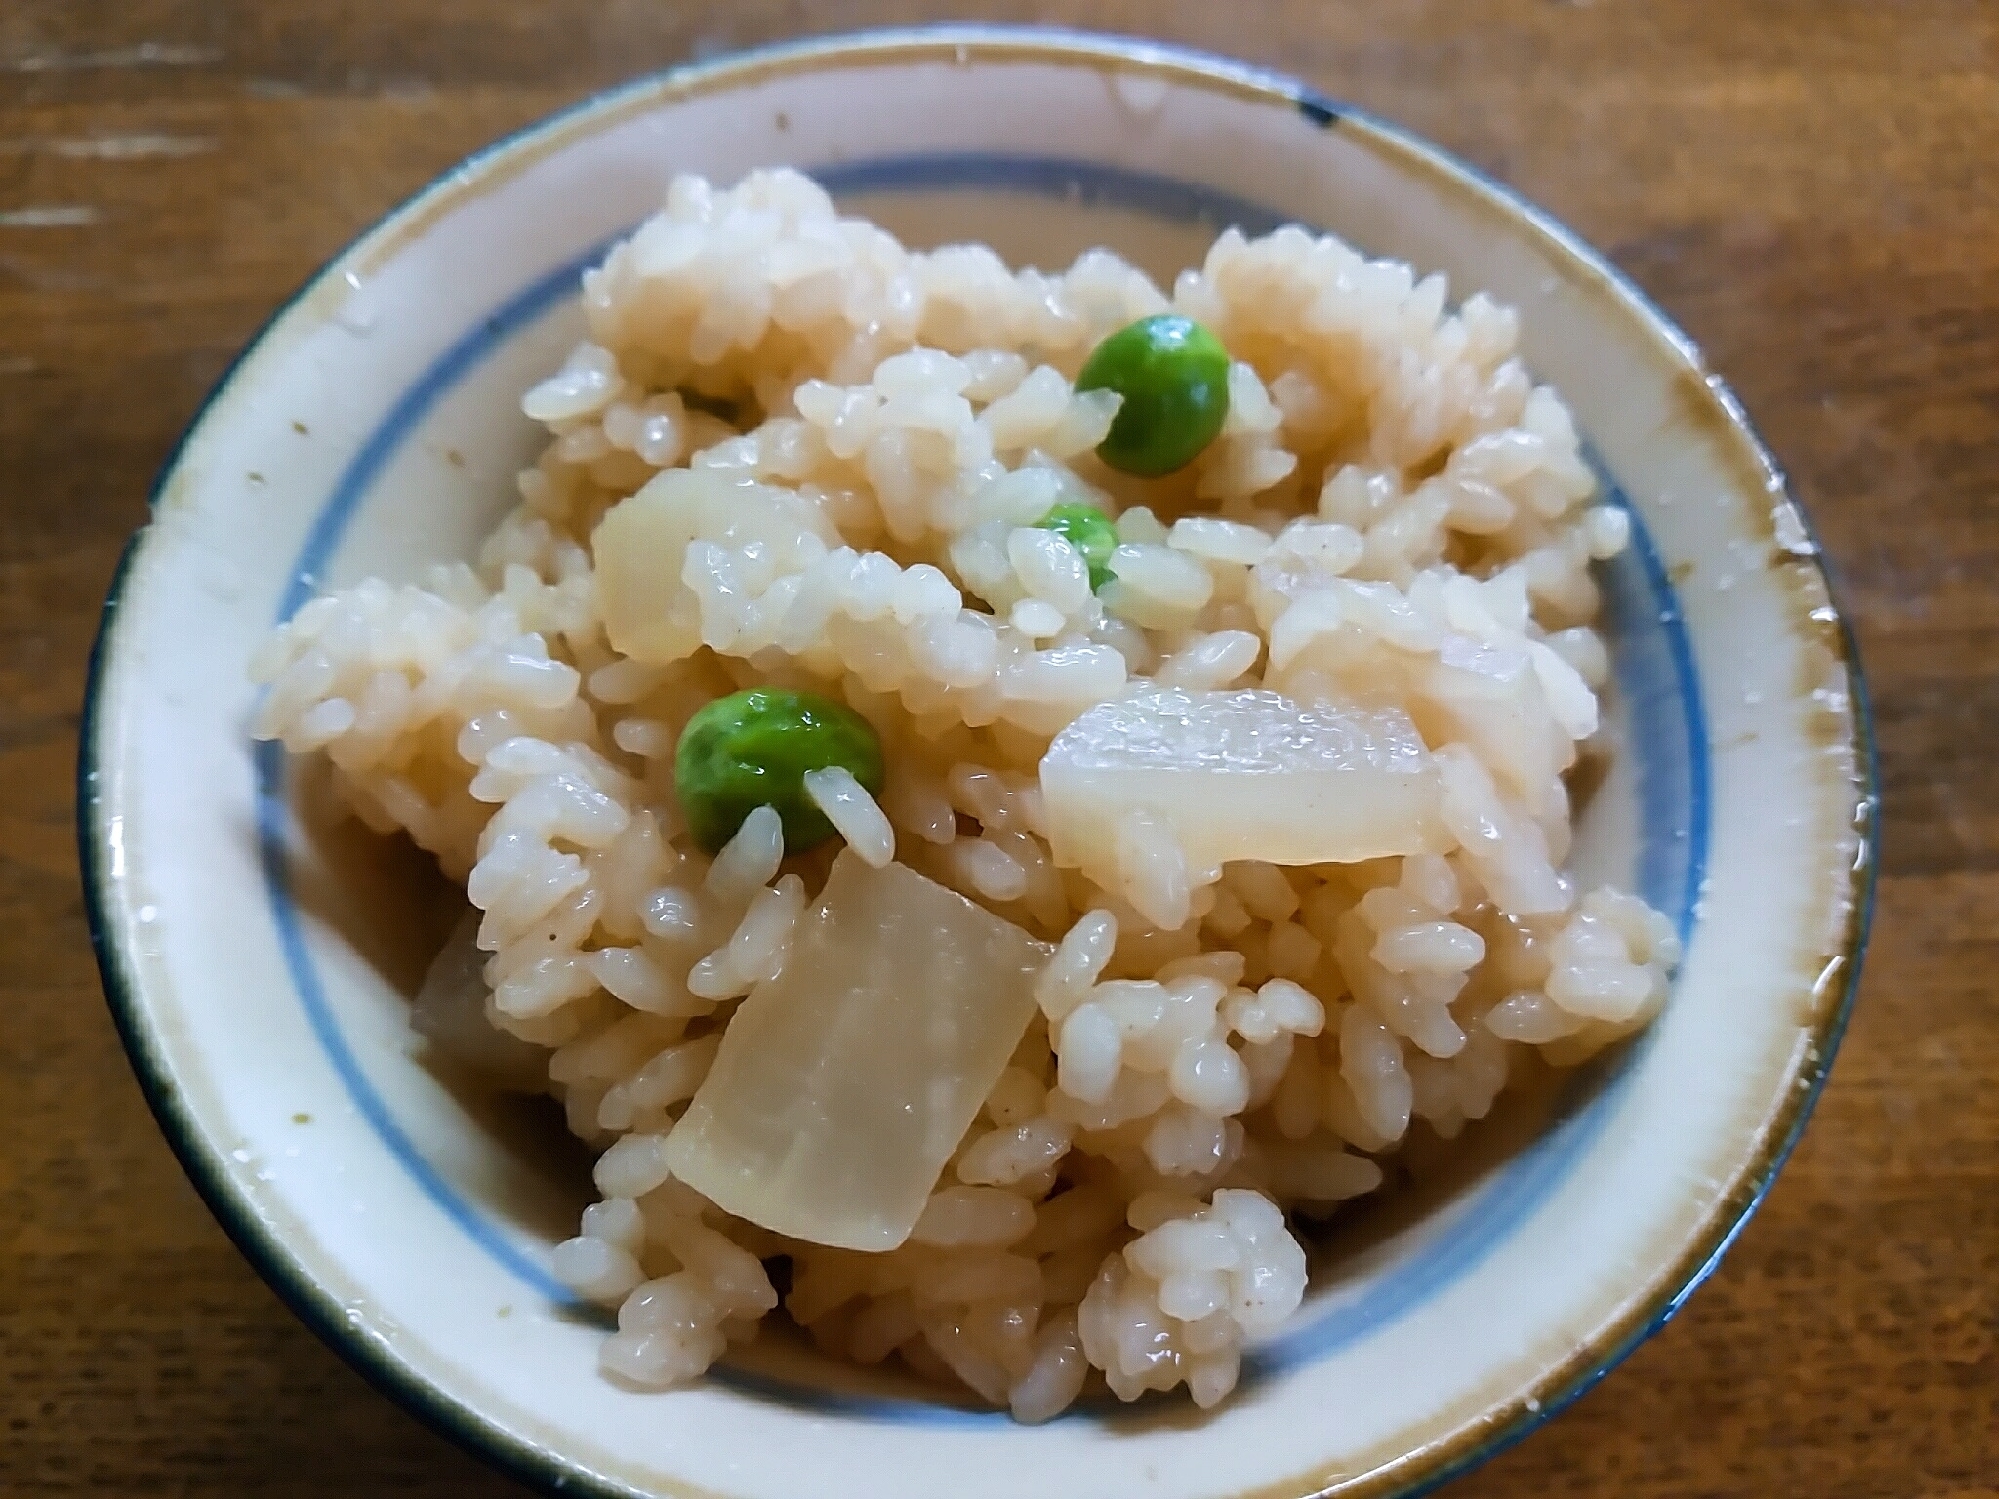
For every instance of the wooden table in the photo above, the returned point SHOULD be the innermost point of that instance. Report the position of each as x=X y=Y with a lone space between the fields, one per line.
x=1807 y=185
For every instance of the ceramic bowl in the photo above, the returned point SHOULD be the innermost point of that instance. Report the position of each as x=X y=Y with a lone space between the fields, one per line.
x=258 y=955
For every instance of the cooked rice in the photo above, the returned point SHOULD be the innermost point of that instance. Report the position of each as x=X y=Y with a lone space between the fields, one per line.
x=1391 y=498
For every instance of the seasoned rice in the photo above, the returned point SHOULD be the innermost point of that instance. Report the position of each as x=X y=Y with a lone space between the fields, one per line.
x=1393 y=511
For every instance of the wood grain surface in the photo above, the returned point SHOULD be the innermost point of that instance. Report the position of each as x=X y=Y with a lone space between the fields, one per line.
x=1807 y=185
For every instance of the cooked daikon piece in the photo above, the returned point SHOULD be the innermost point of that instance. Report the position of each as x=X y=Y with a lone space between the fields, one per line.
x=640 y=548
x=843 y=1085
x=1241 y=775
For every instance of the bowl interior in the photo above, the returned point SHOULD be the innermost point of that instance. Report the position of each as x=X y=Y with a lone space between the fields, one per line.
x=261 y=951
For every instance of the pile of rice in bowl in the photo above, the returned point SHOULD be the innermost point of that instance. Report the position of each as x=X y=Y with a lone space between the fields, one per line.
x=1163 y=1023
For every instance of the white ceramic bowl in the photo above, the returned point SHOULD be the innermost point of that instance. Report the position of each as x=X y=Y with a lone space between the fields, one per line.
x=258 y=960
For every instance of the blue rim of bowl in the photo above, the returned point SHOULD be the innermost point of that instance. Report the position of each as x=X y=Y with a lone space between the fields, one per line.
x=521 y=1458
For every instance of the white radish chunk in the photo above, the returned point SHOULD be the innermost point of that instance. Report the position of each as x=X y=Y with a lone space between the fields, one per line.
x=843 y=1085
x=1241 y=775
x=641 y=544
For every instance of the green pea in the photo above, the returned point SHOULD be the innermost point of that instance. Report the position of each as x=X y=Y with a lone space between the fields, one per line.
x=1090 y=532
x=1174 y=377
x=752 y=749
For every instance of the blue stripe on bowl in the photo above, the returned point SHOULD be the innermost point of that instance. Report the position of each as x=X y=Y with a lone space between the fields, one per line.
x=1652 y=657
x=1092 y=184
